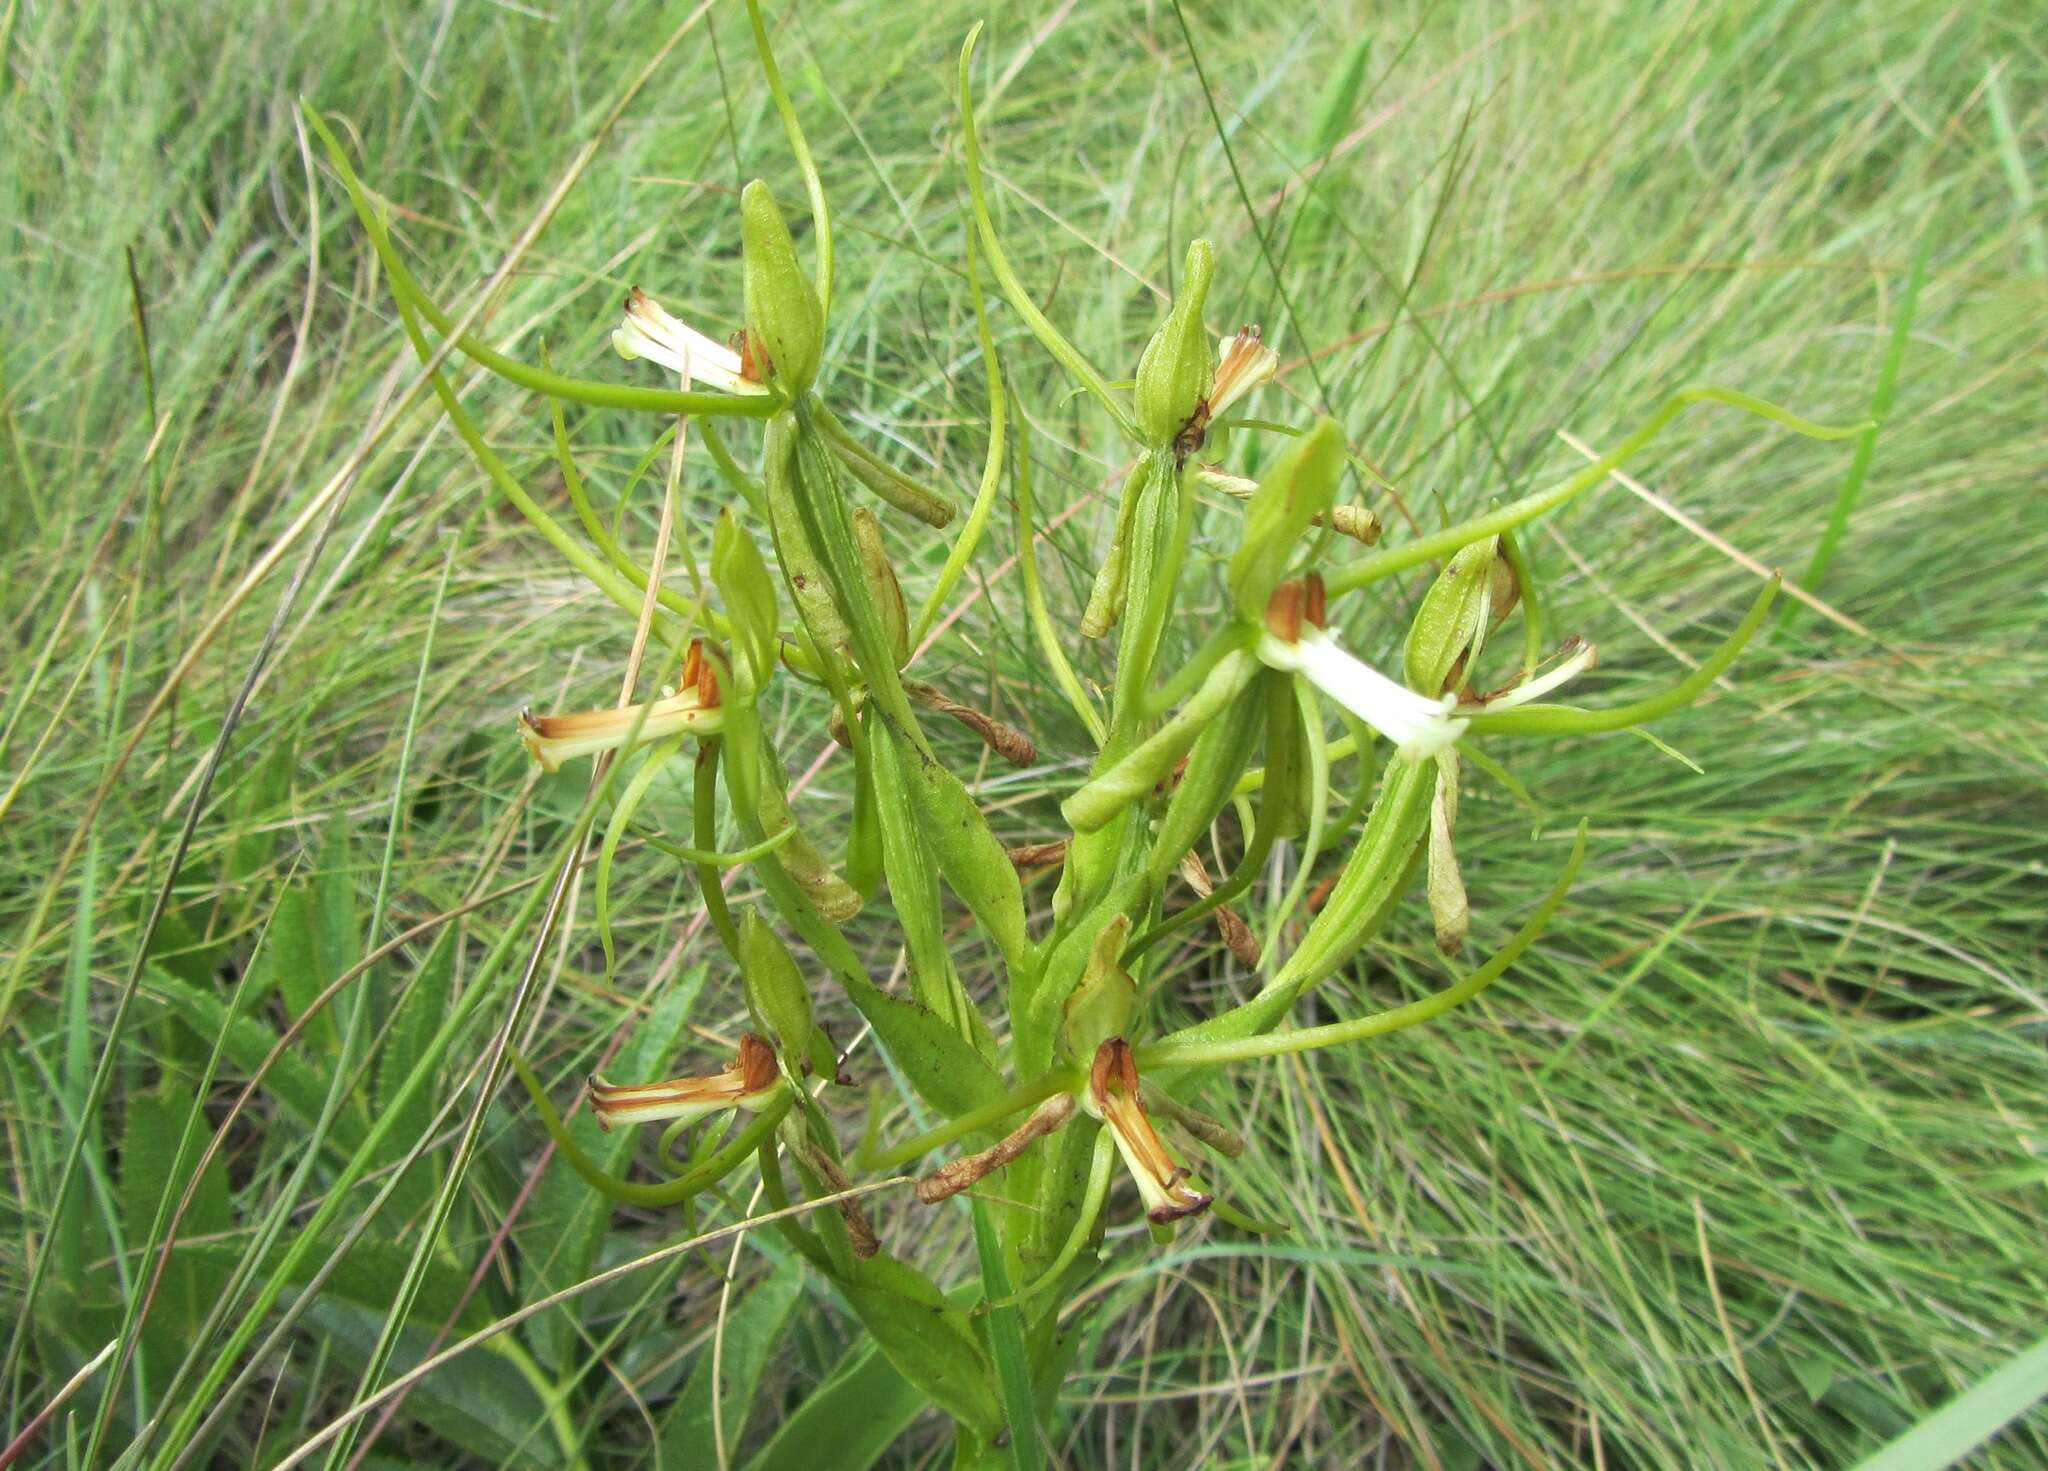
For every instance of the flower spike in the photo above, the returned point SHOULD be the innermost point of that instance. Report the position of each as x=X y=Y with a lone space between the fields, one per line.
x=748 y=1082
x=1113 y=1097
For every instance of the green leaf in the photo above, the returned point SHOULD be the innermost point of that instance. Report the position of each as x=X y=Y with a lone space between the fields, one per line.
x=1971 y=1418
x=928 y=1339
x=973 y=862
x=291 y=965
x=1006 y=1336
x=858 y=1412
x=947 y=1071
x=752 y=1331
x=150 y=1169
x=1301 y=486
x=486 y=1407
x=420 y=1012
x=337 y=936
x=294 y=1082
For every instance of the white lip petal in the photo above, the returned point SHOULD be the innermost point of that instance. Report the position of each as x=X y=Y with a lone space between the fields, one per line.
x=1418 y=726
x=650 y=332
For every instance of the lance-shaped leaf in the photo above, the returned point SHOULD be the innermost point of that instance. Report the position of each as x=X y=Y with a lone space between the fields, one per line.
x=1221 y=754
x=968 y=854
x=802 y=565
x=929 y=1340
x=882 y=584
x=775 y=986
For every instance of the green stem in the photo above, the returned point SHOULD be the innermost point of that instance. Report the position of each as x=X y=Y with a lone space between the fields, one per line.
x=1241 y=878
x=1099 y=1164
x=1069 y=356
x=814 y=186
x=1881 y=400
x=991 y=468
x=1034 y=599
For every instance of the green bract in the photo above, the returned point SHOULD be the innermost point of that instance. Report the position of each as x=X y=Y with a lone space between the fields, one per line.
x=1177 y=367
x=749 y=594
x=783 y=313
x=1301 y=486
x=775 y=986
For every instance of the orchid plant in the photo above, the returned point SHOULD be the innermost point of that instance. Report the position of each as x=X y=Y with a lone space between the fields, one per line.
x=1045 y=1086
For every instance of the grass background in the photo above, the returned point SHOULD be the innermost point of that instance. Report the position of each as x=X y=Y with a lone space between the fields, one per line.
x=1741 y=1167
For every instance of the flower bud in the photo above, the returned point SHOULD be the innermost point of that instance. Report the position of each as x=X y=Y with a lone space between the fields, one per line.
x=783 y=314
x=1300 y=487
x=1177 y=368
x=749 y=593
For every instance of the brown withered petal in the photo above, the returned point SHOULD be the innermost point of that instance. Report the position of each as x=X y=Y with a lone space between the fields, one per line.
x=827 y=1169
x=1237 y=937
x=970 y=1170
x=1037 y=855
x=1236 y=934
x=1356 y=522
x=1005 y=740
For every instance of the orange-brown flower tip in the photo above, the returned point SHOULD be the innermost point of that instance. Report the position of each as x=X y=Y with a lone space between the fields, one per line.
x=747 y=1082
x=1285 y=610
x=754 y=364
x=1186 y=1203
x=1113 y=1097
x=699 y=675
